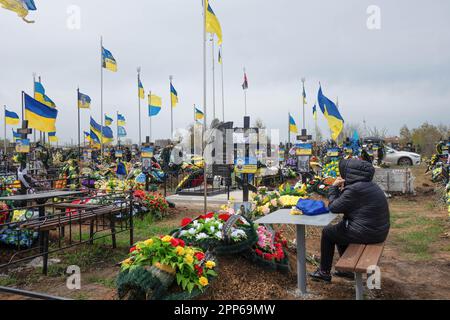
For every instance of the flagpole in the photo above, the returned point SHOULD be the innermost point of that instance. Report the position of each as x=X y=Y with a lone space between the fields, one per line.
x=117 y=126
x=289 y=130
x=171 y=109
x=101 y=95
x=34 y=96
x=4 y=141
x=245 y=96
x=223 y=91
x=139 y=103
x=303 y=102
x=213 y=77
x=79 y=140
x=149 y=114
x=205 y=180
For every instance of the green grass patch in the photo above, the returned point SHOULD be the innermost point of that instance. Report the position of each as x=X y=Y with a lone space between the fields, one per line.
x=8 y=281
x=106 y=282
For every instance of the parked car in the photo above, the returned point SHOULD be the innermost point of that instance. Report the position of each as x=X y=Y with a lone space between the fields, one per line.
x=402 y=158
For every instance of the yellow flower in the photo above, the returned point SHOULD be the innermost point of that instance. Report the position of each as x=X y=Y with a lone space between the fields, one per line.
x=189 y=259
x=127 y=262
x=166 y=239
x=179 y=250
x=210 y=264
x=148 y=242
x=203 y=281
x=189 y=251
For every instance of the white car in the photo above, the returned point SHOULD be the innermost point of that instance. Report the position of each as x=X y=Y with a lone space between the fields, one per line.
x=402 y=158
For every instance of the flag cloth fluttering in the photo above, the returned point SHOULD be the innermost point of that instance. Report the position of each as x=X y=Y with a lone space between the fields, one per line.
x=16 y=135
x=154 y=105
x=304 y=95
x=84 y=101
x=108 y=120
x=331 y=113
x=21 y=7
x=39 y=115
x=11 y=118
x=52 y=137
x=108 y=60
x=199 y=114
x=141 y=91
x=97 y=130
x=245 y=84
x=121 y=132
x=213 y=24
x=173 y=95
x=315 y=112
x=292 y=125
x=39 y=95
x=220 y=56
x=121 y=120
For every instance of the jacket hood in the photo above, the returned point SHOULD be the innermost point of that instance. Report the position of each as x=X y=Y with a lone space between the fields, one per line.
x=353 y=170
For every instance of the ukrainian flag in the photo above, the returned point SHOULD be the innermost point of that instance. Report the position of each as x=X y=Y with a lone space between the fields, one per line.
x=11 y=118
x=84 y=101
x=121 y=120
x=93 y=138
x=315 y=113
x=21 y=7
x=304 y=95
x=213 y=24
x=87 y=135
x=52 y=137
x=141 y=92
x=220 y=56
x=331 y=113
x=40 y=116
x=97 y=130
x=108 y=60
x=199 y=114
x=39 y=95
x=108 y=120
x=121 y=132
x=16 y=135
x=292 y=125
x=173 y=96
x=154 y=105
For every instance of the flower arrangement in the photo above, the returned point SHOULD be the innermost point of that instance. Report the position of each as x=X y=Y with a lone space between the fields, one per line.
x=114 y=185
x=331 y=169
x=269 y=251
x=155 y=203
x=191 y=267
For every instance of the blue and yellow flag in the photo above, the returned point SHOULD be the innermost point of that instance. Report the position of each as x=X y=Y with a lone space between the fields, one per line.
x=108 y=120
x=304 y=95
x=292 y=125
x=198 y=114
x=87 y=135
x=220 y=56
x=213 y=24
x=40 y=116
x=52 y=137
x=141 y=91
x=121 y=132
x=84 y=101
x=97 y=130
x=121 y=120
x=93 y=138
x=39 y=95
x=173 y=95
x=154 y=105
x=21 y=7
x=108 y=60
x=315 y=113
x=11 y=118
x=16 y=135
x=331 y=113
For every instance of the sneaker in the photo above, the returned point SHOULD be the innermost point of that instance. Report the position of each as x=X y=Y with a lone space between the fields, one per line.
x=318 y=275
x=345 y=275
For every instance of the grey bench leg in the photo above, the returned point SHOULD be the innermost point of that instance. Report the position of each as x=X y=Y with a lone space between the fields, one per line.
x=359 y=286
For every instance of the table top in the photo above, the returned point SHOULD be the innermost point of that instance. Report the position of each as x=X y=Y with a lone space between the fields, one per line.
x=41 y=196
x=283 y=216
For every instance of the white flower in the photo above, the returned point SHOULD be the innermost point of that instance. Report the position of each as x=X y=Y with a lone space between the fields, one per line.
x=212 y=229
x=195 y=223
x=183 y=232
x=207 y=220
x=220 y=226
x=192 y=231
x=238 y=234
x=218 y=235
x=201 y=236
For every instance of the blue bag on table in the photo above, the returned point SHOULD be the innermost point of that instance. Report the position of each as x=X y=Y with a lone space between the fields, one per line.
x=312 y=207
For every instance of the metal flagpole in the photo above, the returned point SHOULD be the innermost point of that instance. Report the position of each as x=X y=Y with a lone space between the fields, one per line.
x=4 y=141
x=101 y=96
x=213 y=77
x=245 y=96
x=139 y=103
x=289 y=130
x=205 y=180
x=171 y=109
x=303 y=102
x=223 y=91
x=117 y=126
x=149 y=116
x=34 y=96
x=78 y=107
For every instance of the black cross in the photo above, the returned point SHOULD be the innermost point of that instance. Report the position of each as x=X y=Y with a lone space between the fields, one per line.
x=304 y=136
x=24 y=131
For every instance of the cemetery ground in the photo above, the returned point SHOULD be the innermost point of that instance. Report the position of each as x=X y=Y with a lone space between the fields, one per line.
x=415 y=262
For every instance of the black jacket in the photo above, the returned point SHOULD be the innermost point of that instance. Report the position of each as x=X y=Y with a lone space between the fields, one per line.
x=363 y=203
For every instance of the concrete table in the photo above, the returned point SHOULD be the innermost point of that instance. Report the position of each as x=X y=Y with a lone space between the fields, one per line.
x=283 y=216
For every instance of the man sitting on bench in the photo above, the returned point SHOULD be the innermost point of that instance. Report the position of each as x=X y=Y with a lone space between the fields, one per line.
x=366 y=215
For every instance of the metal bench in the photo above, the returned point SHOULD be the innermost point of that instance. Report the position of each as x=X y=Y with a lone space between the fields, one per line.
x=357 y=259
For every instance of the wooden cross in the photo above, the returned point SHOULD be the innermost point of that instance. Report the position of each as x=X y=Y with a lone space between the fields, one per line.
x=24 y=131
x=304 y=136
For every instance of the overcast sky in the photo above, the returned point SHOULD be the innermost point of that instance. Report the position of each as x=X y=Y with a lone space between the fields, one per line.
x=397 y=75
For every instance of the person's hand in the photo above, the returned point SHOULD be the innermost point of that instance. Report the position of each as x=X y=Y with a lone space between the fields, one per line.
x=339 y=182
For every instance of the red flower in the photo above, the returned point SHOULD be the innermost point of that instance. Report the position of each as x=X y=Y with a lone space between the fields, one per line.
x=185 y=222
x=268 y=256
x=209 y=215
x=181 y=243
x=199 y=256
x=199 y=270
x=258 y=252
x=224 y=217
x=132 y=249
x=174 y=242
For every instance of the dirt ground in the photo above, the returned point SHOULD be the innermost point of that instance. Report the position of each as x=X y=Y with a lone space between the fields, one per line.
x=415 y=262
